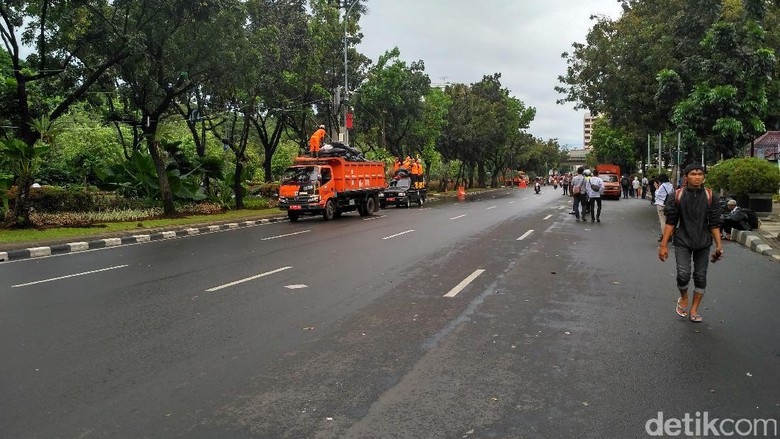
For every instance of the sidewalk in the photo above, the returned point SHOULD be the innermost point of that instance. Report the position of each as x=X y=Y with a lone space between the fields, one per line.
x=766 y=239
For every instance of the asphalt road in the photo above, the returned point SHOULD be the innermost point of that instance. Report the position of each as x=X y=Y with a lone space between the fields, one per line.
x=342 y=330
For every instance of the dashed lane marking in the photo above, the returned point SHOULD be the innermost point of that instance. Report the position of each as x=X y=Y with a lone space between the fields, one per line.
x=398 y=234
x=459 y=216
x=525 y=235
x=491 y=207
x=68 y=276
x=547 y=217
x=240 y=281
x=285 y=235
x=464 y=283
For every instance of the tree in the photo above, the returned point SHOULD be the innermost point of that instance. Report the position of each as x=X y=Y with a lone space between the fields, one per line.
x=180 y=44
x=392 y=101
x=613 y=145
x=72 y=45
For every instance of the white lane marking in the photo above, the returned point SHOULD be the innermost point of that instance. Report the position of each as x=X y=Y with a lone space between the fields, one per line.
x=398 y=234
x=491 y=207
x=525 y=198
x=459 y=216
x=296 y=286
x=459 y=287
x=286 y=235
x=547 y=217
x=525 y=235
x=267 y=273
x=511 y=202
x=561 y=207
x=68 y=276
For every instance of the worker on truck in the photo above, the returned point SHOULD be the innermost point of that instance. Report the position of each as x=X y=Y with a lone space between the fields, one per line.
x=315 y=141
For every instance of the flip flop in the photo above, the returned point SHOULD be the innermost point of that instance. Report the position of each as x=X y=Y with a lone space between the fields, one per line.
x=682 y=312
x=695 y=318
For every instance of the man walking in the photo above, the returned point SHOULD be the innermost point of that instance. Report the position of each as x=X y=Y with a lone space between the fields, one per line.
x=693 y=217
x=577 y=192
x=661 y=194
x=594 y=189
x=625 y=183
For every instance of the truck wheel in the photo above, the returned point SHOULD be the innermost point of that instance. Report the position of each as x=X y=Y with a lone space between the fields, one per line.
x=293 y=216
x=408 y=203
x=329 y=212
x=361 y=208
x=370 y=206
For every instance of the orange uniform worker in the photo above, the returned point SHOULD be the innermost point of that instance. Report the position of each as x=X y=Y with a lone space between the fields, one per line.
x=417 y=173
x=407 y=163
x=396 y=165
x=315 y=141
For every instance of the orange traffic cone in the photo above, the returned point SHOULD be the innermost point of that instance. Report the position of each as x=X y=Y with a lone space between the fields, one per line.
x=461 y=192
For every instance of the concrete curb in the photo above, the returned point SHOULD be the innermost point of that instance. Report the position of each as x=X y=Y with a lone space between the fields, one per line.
x=73 y=247
x=755 y=243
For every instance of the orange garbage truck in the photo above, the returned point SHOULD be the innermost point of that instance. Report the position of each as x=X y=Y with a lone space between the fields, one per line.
x=610 y=174
x=331 y=186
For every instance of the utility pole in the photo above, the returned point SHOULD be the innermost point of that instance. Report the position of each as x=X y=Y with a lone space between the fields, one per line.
x=648 y=150
x=346 y=67
x=659 y=152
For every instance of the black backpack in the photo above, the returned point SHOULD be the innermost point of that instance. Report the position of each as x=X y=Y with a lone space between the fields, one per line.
x=752 y=218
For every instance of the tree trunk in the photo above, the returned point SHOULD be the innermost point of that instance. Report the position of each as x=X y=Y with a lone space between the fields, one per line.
x=20 y=216
x=169 y=209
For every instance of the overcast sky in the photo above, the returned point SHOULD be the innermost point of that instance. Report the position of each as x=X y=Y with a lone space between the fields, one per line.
x=463 y=40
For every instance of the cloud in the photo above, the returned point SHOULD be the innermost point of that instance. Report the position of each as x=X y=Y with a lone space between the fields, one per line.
x=463 y=40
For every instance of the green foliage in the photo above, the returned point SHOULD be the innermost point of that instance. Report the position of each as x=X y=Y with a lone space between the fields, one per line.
x=741 y=176
x=137 y=177
x=612 y=145
x=267 y=190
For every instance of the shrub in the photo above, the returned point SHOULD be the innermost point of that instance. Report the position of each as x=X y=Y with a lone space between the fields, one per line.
x=741 y=176
x=258 y=203
x=267 y=190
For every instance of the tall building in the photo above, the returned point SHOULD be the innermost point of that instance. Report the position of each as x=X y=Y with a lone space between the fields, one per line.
x=587 y=129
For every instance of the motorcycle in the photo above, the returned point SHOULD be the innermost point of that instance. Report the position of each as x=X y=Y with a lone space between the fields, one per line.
x=537 y=187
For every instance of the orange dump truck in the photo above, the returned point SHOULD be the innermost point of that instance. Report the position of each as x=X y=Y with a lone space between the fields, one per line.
x=331 y=186
x=610 y=174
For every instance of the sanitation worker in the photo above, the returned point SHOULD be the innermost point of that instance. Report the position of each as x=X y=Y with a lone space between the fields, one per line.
x=315 y=141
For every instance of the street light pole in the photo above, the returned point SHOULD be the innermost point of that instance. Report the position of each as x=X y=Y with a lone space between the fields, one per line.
x=346 y=82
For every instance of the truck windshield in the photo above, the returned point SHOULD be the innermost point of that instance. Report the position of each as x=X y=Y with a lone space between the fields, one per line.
x=299 y=175
x=402 y=183
x=608 y=178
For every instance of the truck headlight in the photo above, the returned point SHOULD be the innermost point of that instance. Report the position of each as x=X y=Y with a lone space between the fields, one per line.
x=401 y=194
x=314 y=199
x=381 y=195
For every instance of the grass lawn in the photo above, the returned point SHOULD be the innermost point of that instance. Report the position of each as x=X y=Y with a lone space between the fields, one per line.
x=10 y=236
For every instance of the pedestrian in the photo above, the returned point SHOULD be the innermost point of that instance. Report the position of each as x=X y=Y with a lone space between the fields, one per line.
x=661 y=193
x=315 y=141
x=736 y=219
x=635 y=186
x=645 y=183
x=595 y=189
x=565 y=183
x=625 y=183
x=693 y=217
x=577 y=192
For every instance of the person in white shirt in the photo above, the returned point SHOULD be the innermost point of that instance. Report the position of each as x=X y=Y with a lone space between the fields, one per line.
x=636 y=184
x=664 y=190
x=644 y=187
x=594 y=188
